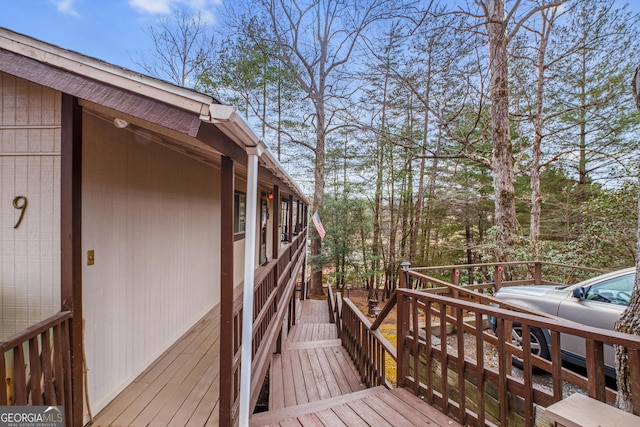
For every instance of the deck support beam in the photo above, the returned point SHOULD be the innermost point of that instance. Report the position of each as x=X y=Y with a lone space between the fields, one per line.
x=227 y=346
x=71 y=244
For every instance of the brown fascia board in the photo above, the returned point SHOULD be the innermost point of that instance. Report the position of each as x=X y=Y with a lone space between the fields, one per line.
x=100 y=93
x=97 y=70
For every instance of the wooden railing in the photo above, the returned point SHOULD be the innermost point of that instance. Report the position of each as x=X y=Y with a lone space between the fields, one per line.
x=36 y=365
x=274 y=293
x=495 y=275
x=455 y=375
x=419 y=358
x=367 y=347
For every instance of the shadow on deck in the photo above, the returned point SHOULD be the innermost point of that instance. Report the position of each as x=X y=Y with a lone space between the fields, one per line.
x=314 y=383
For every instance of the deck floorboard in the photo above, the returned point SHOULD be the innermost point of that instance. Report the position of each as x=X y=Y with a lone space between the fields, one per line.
x=316 y=384
x=179 y=388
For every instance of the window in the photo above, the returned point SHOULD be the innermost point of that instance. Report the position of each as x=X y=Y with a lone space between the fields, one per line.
x=240 y=211
x=615 y=291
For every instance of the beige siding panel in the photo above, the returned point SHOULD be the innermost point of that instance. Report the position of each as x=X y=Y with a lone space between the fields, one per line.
x=29 y=167
x=152 y=216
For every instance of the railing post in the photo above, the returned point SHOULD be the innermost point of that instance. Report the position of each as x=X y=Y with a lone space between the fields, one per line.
x=403 y=327
x=595 y=369
x=537 y=273
x=497 y=277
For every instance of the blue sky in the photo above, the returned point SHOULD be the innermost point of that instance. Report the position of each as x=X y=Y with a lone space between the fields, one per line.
x=111 y=30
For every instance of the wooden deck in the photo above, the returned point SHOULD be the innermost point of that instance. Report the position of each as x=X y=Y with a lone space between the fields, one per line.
x=314 y=383
x=179 y=389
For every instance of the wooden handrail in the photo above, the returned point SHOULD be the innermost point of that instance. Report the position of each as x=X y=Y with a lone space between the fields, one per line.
x=35 y=330
x=417 y=374
x=382 y=315
x=423 y=360
x=509 y=263
x=41 y=365
x=367 y=348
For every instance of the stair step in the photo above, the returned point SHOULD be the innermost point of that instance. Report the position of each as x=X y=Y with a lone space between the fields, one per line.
x=277 y=415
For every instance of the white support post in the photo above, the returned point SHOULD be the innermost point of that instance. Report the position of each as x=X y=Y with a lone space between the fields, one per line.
x=249 y=276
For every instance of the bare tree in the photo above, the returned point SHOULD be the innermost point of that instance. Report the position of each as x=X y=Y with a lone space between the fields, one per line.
x=502 y=26
x=183 y=46
x=315 y=40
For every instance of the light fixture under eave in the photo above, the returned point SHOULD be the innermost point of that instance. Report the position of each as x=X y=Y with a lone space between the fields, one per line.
x=120 y=123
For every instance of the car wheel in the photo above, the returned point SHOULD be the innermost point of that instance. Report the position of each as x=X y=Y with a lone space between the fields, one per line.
x=539 y=345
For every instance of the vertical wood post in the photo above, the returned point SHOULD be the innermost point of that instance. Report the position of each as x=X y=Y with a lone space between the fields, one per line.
x=290 y=228
x=275 y=243
x=403 y=330
x=497 y=277
x=303 y=293
x=71 y=244
x=595 y=370
x=537 y=273
x=227 y=388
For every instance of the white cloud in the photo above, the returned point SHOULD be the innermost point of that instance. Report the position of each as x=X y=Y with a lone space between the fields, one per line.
x=152 y=6
x=66 y=6
x=165 y=6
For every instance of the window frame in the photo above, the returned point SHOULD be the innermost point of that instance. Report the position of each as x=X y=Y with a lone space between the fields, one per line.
x=239 y=215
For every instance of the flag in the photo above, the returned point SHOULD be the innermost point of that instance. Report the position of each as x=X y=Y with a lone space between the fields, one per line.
x=318 y=224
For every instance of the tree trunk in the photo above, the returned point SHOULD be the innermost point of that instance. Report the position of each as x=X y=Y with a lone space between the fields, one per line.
x=502 y=161
x=629 y=321
x=536 y=155
x=318 y=192
x=426 y=245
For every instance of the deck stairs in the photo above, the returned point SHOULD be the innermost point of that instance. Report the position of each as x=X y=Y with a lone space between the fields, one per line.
x=313 y=382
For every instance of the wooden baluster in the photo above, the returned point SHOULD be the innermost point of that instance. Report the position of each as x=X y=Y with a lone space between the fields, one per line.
x=444 y=369
x=527 y=376
x=19 y=376
x=47 y=370
x=595 y=369
x=36 y=373
x=556 y=361
x=461 y=365
x=479 y=326
x=3 y=374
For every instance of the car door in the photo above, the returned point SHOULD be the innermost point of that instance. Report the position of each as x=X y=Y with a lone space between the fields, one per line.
x=601 y=306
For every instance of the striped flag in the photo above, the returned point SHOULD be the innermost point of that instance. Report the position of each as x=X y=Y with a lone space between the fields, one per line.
x=318 y=224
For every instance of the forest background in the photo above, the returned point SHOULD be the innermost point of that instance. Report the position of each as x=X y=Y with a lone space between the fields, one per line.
x=433 y=132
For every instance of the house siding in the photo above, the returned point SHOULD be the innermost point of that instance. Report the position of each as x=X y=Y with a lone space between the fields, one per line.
x=29 y=167
x=152 y=218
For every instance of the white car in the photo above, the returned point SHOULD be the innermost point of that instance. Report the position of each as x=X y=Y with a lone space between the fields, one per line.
x=595 y=302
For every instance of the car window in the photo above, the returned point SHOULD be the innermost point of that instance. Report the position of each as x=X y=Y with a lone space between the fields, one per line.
x=614 y=291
